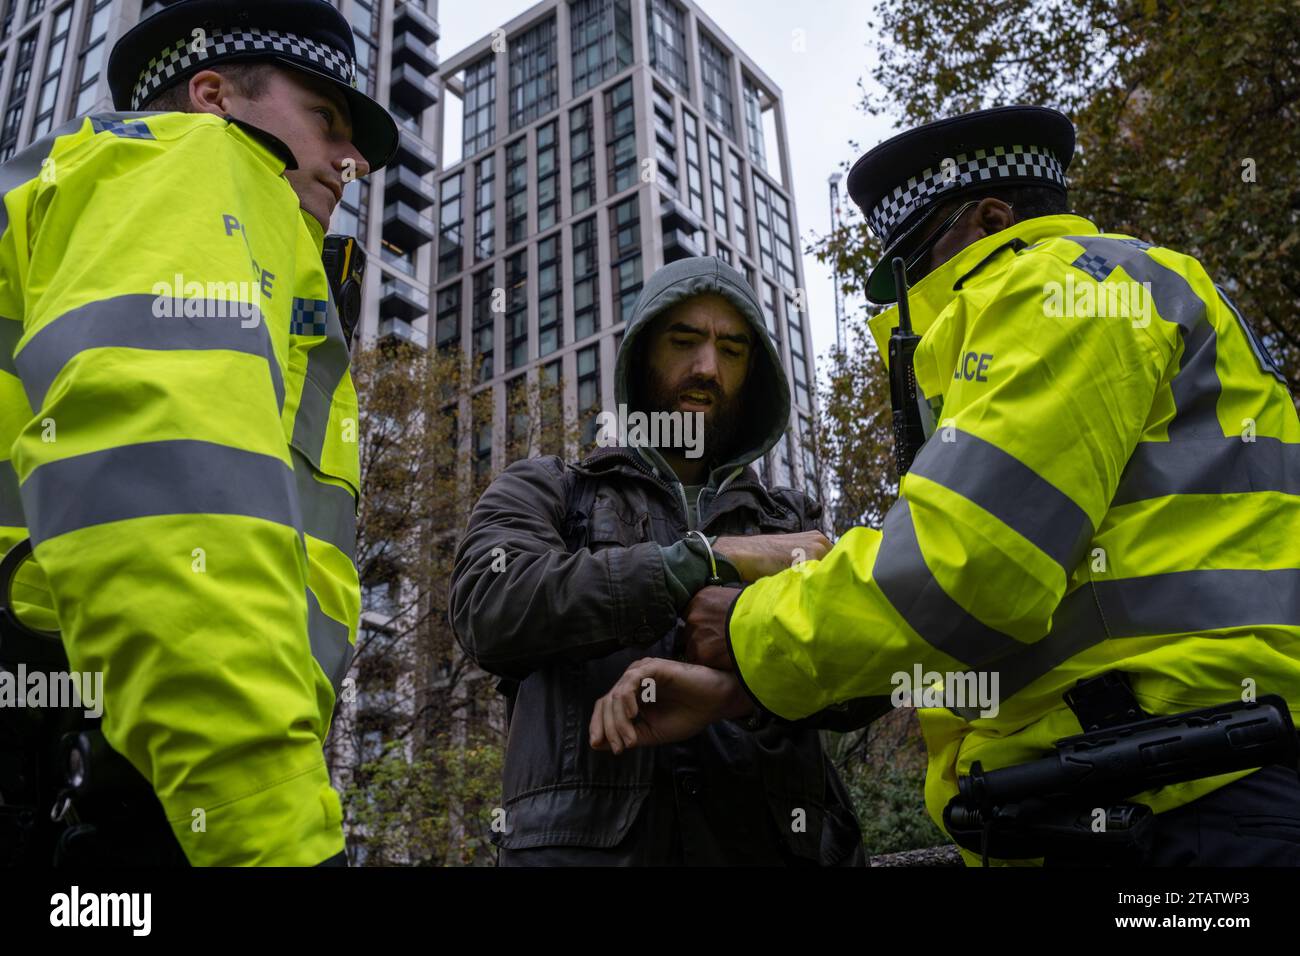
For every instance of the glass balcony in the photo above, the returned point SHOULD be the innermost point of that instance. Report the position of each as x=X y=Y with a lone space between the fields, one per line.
x=411 y=16
x=406 y=227
x=402 y=331
x=402 y=184
x=402 y=300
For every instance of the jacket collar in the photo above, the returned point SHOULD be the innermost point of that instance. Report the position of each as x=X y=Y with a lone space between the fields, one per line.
x=626 y=462
x=269 y=148
x=934 y=293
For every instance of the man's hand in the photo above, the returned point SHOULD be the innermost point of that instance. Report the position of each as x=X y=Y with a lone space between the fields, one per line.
x=706 y=627
x=756 y=556
x=662 y=702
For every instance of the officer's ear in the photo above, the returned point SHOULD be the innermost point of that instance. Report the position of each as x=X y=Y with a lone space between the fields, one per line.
x=209 y=93
x=992 y=215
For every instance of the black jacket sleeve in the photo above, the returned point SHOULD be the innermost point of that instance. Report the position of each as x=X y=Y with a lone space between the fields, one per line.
x=518 y=599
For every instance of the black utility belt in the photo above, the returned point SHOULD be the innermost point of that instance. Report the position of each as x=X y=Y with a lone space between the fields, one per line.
x=1075 y=804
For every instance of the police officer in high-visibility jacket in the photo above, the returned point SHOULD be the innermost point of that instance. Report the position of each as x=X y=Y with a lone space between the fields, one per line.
x=1112 y=486
x=177 y=419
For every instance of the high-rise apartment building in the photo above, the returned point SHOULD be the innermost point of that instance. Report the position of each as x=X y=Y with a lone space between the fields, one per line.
x=599 y=140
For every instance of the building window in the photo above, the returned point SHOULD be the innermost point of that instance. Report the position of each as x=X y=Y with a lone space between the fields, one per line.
x=450 y=240
x=7 y=19
x=34 y=7
x=350 y=214
x=516 y=192
x=447 y=331
x=668 y=43
x=586 y=279
x=718 y=184
x=364 y=30
x=517 y=418
x=620 y=137
x=92 y=56
x=812 y=487
x=548 y=175
x=588 y=392
x=754 y=125
x=55 y=56
x=794 y=320
x=532 y=74
x=601 y=40
x=582 y=158
x=739 y=207
x=769 y=311
x=550 y=334
x=724 y=253
x=13 y=118
x=782 y=231
x=665 y=141
x=482 y=452
x=775 y=238
x=715 y=79
x=625 y=250
x=551 y=386
x=694 y=174
x=484 y=320
x=484 y=209
x=479 y=124
x=517 y=309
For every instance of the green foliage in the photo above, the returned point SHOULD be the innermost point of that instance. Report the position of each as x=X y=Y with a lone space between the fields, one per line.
x=431 y=810
x=1186 y=114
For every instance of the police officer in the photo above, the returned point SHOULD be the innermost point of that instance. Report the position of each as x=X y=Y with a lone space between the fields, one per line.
x=177 y=420
x=1110 y=489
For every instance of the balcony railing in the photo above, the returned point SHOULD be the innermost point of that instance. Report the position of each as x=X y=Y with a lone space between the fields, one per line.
x=403 y=300
x=405 y=185
x=406 y=227
x=414 y=152
x=411 y=88
x=410 y=16
x=402 y=331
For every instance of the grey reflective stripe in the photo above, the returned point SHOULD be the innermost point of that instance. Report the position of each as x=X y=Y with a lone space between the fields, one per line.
x=329 y=642
x=327 y=362
x=904 y=578
x=128 y=321
x=180 y=477
x=328 y=511
x=1209 y=466
x=11 y=503
x=1011 y=491
x=1196 y=387
x=1180 y=602
x=11 y=330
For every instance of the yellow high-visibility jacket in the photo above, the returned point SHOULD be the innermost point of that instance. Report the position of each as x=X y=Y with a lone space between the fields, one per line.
x=1113 y=483
x=178 y=429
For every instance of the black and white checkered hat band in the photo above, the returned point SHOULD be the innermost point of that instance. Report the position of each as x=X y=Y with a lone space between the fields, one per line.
x=1000 y=162
x=191 y=50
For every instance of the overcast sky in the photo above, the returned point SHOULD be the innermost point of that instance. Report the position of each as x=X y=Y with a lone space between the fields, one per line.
x=819 y=83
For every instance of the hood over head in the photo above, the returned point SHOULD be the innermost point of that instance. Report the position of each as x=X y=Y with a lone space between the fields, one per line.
x=765 y=398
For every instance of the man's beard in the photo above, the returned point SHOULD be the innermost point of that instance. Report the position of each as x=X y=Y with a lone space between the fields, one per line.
x=721 y=421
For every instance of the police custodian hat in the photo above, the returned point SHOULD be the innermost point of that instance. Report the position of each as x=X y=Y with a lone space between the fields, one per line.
x=903 y=182
x=307 y=35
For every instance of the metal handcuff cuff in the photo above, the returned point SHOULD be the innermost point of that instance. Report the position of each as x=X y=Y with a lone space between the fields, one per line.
x=760 y=718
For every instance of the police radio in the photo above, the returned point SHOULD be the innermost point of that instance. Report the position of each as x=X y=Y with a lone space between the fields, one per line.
x=345 y=265
x=904 y=395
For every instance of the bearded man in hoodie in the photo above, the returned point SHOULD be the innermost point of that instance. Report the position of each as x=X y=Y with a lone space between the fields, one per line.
x=568 y=572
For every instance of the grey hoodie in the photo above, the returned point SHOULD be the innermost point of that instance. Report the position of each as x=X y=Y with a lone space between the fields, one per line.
x=765 y=401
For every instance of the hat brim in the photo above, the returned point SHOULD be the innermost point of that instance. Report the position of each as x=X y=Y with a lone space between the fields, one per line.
x=374 y=131
x=881 y=289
